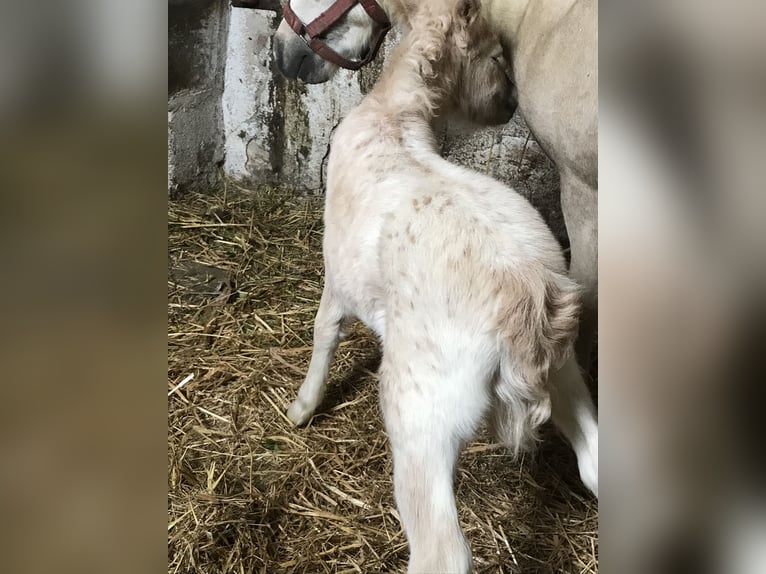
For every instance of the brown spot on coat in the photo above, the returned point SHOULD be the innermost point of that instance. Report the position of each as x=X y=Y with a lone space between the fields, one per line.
x=410 y=234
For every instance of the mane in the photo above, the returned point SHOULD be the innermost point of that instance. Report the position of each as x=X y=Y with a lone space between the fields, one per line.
x=417 y=76
x=401 y=11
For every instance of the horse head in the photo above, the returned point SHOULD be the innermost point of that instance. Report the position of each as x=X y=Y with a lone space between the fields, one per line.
x=316 y=37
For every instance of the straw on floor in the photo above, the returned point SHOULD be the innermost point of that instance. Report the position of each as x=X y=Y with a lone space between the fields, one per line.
x=248 y=492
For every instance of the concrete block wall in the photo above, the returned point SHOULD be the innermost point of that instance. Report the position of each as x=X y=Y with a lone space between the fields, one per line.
x=197 y=36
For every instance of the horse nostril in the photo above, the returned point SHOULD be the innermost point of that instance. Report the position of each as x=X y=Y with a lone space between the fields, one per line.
x=288 y=58
x=301 y=61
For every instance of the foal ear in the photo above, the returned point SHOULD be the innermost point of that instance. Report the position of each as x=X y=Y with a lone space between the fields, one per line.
x=466 y=11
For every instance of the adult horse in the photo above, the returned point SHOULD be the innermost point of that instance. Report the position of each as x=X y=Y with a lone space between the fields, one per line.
x=553 y=47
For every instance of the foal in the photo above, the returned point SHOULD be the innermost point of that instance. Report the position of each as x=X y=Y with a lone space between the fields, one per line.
x=457 y=274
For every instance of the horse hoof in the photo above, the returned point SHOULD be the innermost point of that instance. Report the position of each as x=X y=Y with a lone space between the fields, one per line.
x=299 y=413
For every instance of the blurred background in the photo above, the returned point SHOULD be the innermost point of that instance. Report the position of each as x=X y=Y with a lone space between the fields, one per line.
x=681 y=214
x=84 y=178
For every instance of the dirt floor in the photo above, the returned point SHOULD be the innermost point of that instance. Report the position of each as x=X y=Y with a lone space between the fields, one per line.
x=248 y=492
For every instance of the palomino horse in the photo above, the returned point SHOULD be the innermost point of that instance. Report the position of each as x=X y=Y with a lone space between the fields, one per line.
x=553 y=47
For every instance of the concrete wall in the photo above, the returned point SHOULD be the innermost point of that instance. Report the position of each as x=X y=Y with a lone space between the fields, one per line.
x=197 y=35
x=276 y=130
x=259 y=128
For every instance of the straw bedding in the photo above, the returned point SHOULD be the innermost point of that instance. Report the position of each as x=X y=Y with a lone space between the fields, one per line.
x=248 y=492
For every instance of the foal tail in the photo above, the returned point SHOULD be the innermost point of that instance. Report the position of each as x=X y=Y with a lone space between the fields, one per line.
x=537 y=325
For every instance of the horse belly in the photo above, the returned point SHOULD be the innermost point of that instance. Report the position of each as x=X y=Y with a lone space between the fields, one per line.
x=556 y=72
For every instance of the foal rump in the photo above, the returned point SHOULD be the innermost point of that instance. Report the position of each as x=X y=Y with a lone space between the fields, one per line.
x=537 y=325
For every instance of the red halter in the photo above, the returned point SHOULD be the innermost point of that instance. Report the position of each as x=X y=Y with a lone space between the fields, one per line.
x=309 y=33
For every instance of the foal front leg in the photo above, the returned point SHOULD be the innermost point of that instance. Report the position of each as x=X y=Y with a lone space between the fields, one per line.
x=327 y=334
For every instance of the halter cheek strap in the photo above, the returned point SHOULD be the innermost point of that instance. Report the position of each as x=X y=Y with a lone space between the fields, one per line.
x=310 y=32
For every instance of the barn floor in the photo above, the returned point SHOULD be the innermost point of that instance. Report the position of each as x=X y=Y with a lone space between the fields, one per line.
x=248 y=492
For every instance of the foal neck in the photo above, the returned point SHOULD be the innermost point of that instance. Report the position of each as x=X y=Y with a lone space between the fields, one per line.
x=406 y=89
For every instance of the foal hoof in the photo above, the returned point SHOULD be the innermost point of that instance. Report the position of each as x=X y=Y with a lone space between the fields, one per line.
x=299 y=413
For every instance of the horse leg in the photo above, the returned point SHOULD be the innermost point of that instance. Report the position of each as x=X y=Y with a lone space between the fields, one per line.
x=426 y=426
x=573 y=413
x=579 y=204
x=327 y=335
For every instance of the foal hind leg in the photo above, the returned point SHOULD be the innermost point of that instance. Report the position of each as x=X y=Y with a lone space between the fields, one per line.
x=573 y=413
x=579 y=204
x=426 y=425
x=327 y=334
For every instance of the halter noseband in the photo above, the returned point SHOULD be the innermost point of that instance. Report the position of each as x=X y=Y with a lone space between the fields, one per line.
x=310 y=32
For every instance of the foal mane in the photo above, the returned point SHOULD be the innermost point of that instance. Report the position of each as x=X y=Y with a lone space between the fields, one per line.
x=422 y=66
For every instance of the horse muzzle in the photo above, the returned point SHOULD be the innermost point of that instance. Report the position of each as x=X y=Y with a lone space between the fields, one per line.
x=296 y=61
x=500 y=110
